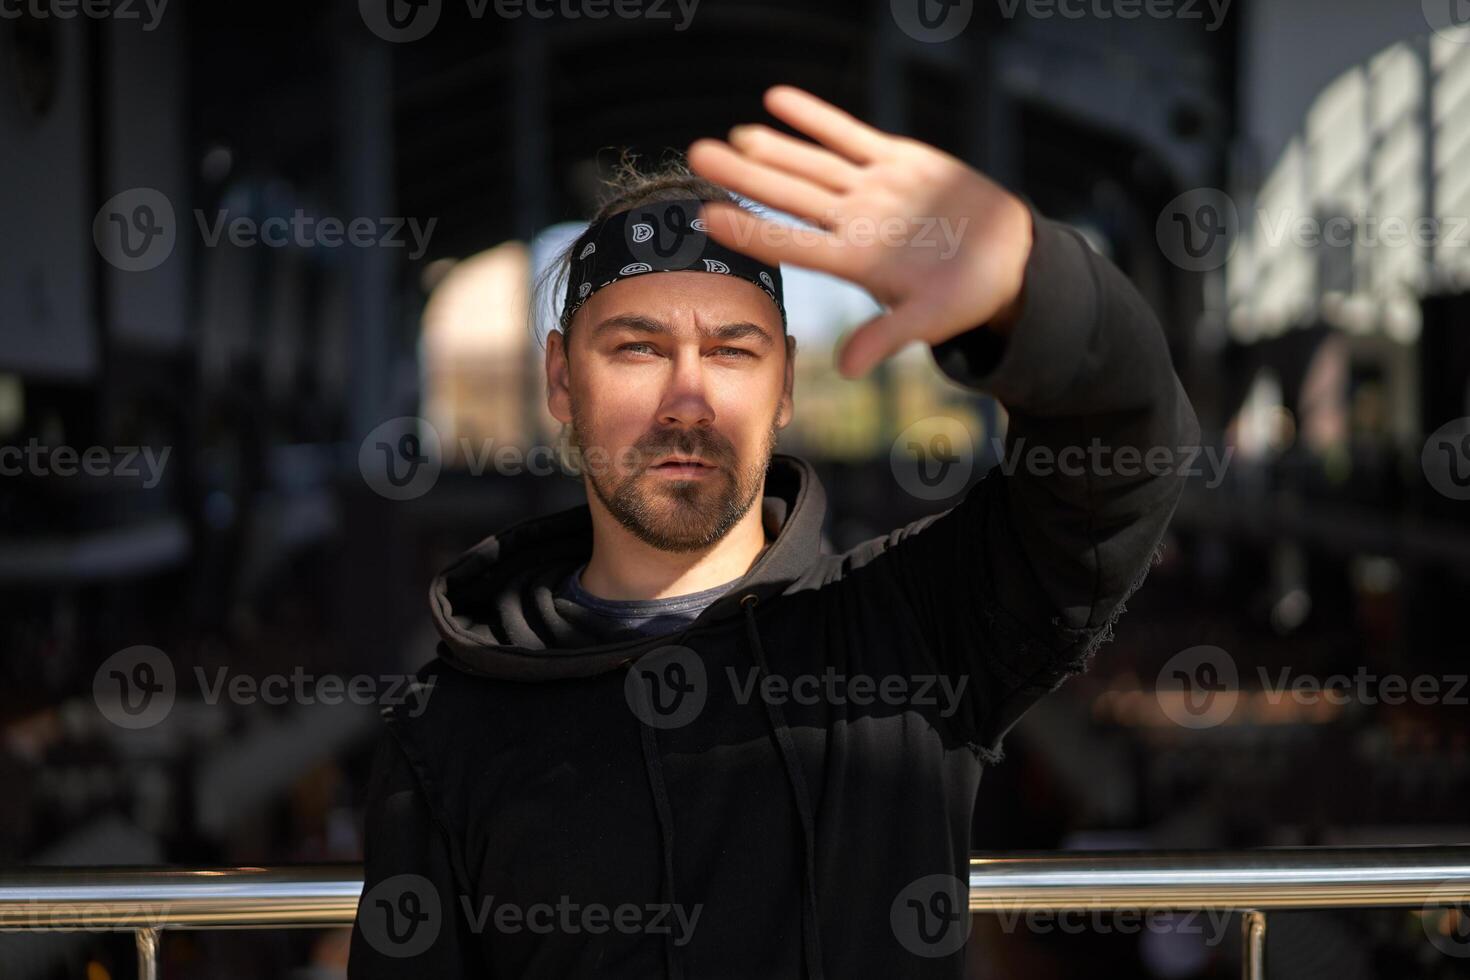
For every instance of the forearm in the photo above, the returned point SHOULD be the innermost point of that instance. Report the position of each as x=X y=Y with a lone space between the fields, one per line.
x=1098 y=427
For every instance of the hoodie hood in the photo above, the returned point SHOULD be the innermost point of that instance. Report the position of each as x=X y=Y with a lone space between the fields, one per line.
x=498 y=614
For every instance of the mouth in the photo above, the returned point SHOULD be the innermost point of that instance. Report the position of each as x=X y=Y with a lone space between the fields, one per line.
x=683 y=467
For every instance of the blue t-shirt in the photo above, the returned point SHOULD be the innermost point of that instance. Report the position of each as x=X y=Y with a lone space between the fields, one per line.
x=649 y=617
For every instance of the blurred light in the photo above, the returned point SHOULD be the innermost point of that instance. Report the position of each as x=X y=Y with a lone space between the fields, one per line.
x=1290 y=611
x=1262 y=426
x=476 y=345
x=1380 y=139
x=1375 y=574
x=217 y=163
x=12 y=404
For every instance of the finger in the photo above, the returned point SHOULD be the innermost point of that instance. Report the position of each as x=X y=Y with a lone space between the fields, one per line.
x=800 y=157
x=826 y=123
x=727 y=166
x=883 y=336
x=774 y=243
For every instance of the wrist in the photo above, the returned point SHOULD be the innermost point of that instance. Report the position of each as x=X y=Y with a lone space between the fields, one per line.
x=1018 y=252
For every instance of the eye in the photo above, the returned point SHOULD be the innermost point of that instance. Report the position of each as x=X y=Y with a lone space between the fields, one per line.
x=738 y=351
x=646 y=347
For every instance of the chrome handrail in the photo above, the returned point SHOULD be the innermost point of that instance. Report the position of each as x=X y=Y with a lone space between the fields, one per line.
x=148 y=900
x=1267 y=878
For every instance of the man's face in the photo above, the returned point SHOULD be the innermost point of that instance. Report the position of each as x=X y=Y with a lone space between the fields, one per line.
x=684 y=364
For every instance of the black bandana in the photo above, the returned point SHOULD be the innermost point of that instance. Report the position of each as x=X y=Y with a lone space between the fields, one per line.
x=668 y=236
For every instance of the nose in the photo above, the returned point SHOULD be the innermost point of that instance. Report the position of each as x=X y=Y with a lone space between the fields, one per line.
x=685 y=401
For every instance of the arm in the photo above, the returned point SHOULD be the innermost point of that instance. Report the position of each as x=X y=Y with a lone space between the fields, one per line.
x=1020 y=583
x=1025 y=578
x=410 y=921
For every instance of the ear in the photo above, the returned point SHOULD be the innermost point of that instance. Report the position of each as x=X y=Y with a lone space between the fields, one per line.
x=788 y=405
x=558 y=377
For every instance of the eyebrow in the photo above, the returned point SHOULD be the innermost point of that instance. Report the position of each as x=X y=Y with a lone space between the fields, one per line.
x=740 y=330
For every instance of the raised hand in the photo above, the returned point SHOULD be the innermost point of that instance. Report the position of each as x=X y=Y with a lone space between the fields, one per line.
x=939 y=244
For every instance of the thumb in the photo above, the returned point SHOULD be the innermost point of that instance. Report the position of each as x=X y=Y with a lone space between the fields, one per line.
x=884 y=335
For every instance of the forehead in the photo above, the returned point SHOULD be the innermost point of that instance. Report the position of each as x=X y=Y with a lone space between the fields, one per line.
x=683 y=299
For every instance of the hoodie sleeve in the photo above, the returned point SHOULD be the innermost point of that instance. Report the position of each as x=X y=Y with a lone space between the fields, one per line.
x=1020 y=583
x=410 y=921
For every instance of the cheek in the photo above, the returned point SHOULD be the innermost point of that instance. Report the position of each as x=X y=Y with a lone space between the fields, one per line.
x=745 y=414
x=614 y=408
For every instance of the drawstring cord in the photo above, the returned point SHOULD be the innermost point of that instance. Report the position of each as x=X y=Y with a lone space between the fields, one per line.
x=674 y=967
x=810 y=937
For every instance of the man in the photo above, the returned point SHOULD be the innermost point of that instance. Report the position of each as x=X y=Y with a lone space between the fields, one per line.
x=668 y=737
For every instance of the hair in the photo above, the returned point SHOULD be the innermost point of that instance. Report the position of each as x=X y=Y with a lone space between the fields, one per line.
x=628 y=187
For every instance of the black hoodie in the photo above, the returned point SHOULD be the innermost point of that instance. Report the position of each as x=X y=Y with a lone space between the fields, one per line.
x=785 y=787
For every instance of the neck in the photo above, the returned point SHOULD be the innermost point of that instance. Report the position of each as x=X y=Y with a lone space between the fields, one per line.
x=623 y=566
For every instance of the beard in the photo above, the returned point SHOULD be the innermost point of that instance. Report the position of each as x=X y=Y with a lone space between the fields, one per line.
x=680 y=515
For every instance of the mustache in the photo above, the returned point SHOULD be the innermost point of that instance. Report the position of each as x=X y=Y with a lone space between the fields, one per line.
x=708 y=446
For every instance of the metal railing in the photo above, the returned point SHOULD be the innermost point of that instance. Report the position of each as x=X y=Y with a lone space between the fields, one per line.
x=148 y=901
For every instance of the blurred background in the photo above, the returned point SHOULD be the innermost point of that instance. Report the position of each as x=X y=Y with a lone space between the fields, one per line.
x=247 y=248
